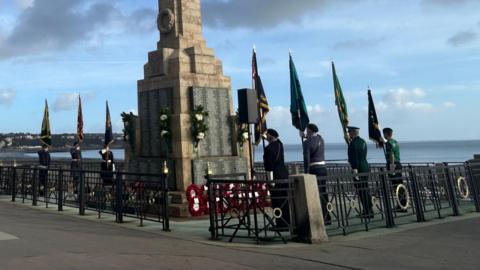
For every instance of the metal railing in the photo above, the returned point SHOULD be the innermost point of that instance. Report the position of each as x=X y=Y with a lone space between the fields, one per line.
x=418 y=192
x=383 y=198
x=140 y=196
x=240 y=208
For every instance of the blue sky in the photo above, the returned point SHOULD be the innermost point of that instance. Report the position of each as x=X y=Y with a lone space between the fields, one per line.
x=420 y=58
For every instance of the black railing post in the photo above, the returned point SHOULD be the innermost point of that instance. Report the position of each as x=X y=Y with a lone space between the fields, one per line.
x=164 y=186
x=35 y=177
x=118 y=197
x=416 y=195
x=60 y=190
x=473 y=184
x=213 y=207
x=451 y=190
x=14 y=183
x=81 y=194
x=386 y=200
x=23 y=188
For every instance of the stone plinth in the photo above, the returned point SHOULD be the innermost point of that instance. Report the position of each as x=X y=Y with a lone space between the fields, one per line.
x=308 y=209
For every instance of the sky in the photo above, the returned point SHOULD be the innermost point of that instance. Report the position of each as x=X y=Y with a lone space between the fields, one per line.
x=421 y=59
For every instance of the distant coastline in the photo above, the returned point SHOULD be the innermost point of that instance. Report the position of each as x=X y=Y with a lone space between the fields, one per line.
x=425 y=151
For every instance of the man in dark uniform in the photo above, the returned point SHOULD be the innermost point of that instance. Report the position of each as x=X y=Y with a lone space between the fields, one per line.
x=274 y=163
x=392 y=156
x=357 y=157
x=314 y=163
x=107 y=166
x=44 y=164
x=75 y=164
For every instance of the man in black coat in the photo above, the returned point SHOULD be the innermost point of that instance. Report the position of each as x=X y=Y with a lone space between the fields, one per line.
x=107 y=166
x=75 y=164
x=274 y=163
x=44 y=164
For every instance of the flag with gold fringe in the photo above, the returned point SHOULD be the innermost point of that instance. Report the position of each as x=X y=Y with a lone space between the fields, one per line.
x=341 y=104
x=108 y=128
x=46 y=134
x=262 y=103
x=80 y=135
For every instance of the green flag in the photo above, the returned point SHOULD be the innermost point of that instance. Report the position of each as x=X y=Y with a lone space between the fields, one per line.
x=341 y=105
x=298 y=109
x=46 y=135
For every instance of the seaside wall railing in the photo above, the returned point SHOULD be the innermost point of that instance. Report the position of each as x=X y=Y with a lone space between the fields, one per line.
x=264 y=210
x=140 y=196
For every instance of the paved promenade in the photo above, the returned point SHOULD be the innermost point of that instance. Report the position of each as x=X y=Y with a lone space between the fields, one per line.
x=39 y=238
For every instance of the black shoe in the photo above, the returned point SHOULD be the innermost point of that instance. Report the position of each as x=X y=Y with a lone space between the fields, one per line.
x=400 y=209
x=368 y=215
x=328 y=220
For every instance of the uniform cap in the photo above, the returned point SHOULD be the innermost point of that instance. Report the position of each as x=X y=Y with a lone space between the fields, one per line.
x=351 y=128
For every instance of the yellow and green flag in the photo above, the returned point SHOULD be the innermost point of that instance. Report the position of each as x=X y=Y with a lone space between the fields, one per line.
x=46 y=134
x=341 y=104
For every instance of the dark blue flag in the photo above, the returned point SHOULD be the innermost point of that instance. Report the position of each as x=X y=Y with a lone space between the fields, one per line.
x=108 y=128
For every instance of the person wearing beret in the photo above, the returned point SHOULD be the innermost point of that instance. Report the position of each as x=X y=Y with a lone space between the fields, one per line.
x=314 y=163
x=357 y=157
x=274 y=163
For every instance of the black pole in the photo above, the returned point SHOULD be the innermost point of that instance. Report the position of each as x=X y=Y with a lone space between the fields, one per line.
x=118 y=198
x=451 y=190
x=14 y=183
x=60 y=190
x=81 y=194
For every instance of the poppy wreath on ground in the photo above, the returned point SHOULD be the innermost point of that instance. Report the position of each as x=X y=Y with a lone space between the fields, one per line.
x=196 y=206
x=195 y=200
x=241 y=196
x=193 y=191
x=261 y=193
x=230 y=195
x=221 y=203
x=206 y=202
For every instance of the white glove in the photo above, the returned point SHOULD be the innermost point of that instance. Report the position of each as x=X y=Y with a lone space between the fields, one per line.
x=392 y=167
x=355 y=171
x=270 y=176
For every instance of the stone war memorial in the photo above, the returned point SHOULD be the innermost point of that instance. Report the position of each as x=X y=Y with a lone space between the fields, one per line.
x=183 y=79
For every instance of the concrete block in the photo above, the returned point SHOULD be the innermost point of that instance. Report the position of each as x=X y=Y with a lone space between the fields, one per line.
x=308 y=210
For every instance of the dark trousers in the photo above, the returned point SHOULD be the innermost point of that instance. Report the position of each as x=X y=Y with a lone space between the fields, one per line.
x=321 y=172
x=361 y=184
x=396 y=179
x=42 y=176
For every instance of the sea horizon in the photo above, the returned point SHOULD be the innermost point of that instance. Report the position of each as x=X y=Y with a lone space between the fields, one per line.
x=411 y=151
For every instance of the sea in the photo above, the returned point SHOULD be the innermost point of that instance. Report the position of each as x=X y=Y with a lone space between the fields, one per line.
x=411 y=152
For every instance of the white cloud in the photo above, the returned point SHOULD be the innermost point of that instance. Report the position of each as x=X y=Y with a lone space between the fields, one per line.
x=66 y=102
x=402 y=98
x=24 y=3
x=7 y=96
x=449 y=104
